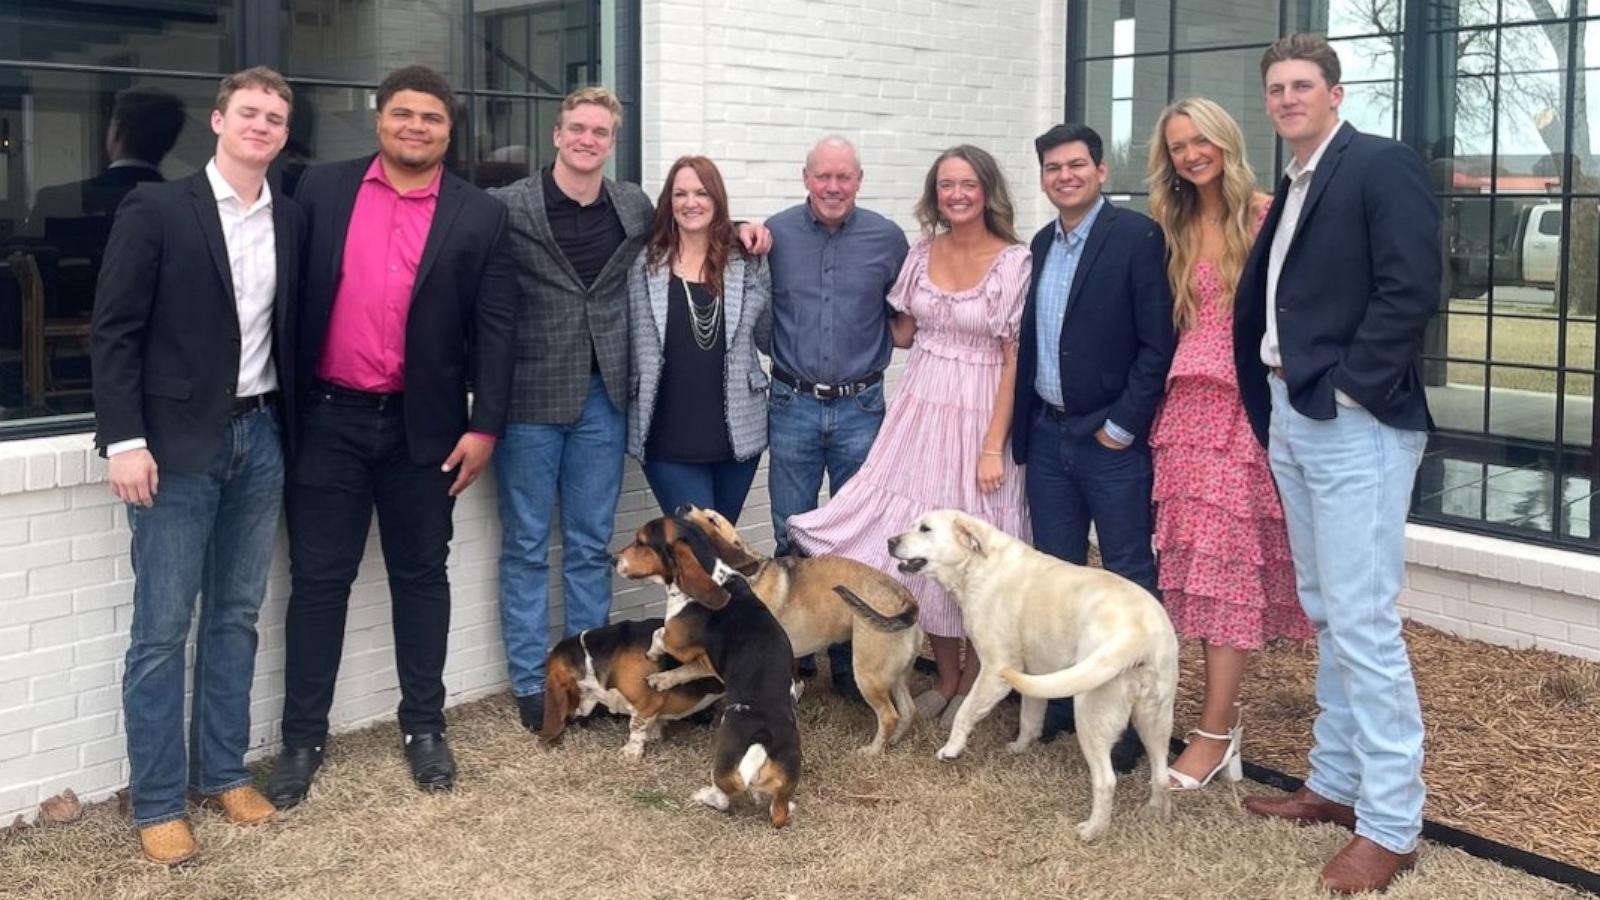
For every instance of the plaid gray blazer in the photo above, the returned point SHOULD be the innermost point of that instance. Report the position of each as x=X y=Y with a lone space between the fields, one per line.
x=558 y=319
x=747 y=314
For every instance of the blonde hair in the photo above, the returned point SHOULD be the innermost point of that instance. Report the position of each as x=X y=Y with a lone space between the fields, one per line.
x=599 y=95
x=1175 y=205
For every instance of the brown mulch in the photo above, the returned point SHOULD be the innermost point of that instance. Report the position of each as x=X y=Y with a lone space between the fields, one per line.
x=1513 y=736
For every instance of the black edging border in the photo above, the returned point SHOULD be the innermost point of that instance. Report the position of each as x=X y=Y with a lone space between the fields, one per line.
x=1473 y=845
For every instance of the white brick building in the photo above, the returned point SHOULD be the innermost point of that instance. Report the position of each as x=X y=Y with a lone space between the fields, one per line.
x=751 y=85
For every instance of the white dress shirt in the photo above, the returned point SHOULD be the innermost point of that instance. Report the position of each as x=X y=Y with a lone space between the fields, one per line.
x=253 y=263
x=1299 y=186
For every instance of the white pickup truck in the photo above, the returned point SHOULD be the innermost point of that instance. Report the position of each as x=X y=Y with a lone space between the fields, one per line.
x=1527 y=249
x=1540 y=239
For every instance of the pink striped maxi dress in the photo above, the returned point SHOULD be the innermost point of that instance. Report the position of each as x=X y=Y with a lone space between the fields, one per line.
x=926 y=454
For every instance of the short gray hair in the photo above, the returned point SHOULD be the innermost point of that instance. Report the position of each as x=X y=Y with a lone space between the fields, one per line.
x=835 y=141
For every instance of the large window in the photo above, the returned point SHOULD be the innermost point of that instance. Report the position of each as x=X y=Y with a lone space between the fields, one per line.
x=1494 y=95
x=96 y=97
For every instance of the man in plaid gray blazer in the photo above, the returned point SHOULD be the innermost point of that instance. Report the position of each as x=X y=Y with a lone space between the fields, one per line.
x=573 y=233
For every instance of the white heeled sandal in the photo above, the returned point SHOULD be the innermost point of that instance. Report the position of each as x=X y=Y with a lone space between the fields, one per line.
x=1231 y=767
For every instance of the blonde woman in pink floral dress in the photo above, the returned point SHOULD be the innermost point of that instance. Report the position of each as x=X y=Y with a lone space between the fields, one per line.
x=1227 y=578
x=943 y=440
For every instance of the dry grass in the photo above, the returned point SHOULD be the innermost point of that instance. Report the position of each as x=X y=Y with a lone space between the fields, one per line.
x=1513 y=736
x=579 y=822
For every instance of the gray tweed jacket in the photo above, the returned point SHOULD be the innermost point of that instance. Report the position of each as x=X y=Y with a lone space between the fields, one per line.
x=558 y=319
x=747 y=314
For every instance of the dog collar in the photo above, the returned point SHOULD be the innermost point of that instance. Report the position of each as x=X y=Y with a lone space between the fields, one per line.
x=724 y=573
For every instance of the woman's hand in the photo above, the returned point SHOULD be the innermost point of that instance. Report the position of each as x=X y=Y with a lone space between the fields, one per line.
x=991 y=471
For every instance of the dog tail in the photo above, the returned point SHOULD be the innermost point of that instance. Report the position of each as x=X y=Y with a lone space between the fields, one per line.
x=874 y=618
x=1105 y=663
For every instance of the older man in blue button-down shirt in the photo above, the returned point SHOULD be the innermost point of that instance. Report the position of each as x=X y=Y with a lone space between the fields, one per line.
x=832 y=266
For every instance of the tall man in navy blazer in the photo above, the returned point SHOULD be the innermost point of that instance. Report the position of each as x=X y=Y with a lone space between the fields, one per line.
x=1329 y=319
x=1097 y=339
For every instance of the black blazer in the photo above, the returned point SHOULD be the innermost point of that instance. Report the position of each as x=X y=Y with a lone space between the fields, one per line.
x=463 y=310
x=164 y=343
x=1117 y=338
x=1358 y=286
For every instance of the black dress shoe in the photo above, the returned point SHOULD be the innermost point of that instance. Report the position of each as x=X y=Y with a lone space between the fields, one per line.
x=805 y=667
x=531 y=710
x=1058 y=719
x=1125 y=754
x=292 y=774
x=432 y=766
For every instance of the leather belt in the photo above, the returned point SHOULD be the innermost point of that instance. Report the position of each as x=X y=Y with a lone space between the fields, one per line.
x=1056 y=413
x=244 y=406
x=328 y=392
x=827 y=391
x=1278 y=371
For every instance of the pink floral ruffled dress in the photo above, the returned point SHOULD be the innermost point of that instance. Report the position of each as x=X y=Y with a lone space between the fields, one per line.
x=926 y=453
x=1226 y=573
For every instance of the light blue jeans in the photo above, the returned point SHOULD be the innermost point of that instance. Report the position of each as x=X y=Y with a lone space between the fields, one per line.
x=209 y=534
x=1346 y=488
x=581 y=464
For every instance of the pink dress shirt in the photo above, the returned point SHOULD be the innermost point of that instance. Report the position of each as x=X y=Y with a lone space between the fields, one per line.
x=365 y=349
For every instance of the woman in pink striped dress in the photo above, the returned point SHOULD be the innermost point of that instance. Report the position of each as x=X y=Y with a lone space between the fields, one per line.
x=943 y=440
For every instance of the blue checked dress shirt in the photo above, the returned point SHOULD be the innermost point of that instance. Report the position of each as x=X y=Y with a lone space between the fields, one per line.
x=1055 y=288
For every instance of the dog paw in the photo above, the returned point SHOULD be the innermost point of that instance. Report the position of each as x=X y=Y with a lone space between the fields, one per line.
x=797 y=689
x=1159 y=808
x=1088 y=831
x=1018 y=746
x=658 y=681
x=872 y=749
x=710 y=796
x=633 y=752
x=949 y=752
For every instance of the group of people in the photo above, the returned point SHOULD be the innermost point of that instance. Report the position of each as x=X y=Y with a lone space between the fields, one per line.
x=1243 y=365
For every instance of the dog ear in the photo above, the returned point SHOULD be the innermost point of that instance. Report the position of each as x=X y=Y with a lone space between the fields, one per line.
x=734 y=555
x=694 y=580
x=969 y=538
x=560 y=699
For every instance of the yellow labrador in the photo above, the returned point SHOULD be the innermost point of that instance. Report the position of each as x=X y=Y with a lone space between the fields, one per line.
x=1077 y=632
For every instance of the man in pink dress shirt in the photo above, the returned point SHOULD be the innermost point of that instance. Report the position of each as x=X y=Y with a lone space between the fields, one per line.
x=406 y=303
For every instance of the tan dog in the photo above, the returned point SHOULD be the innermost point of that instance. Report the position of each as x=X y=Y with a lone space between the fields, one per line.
x=824 y=600
x=1083 y=633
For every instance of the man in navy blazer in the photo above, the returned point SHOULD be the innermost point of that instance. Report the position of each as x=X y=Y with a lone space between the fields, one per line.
x=1097 y=339
x=1329 y=319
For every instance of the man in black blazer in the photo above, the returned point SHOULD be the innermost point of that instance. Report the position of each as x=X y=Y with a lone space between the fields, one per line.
x=1329 y=320
x=1097 y=339
x=406 y=303
x=189 y=345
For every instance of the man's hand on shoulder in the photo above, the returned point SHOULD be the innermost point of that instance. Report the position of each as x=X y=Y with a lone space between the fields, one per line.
x=133 y=477
x=755 y=238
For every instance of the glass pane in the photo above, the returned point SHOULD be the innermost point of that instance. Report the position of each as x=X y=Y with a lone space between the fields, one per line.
x=1457 y=102
x=1461 y=13
x=1532 y=87
x=1580 y=345
x=1450 y=487
x=1143 y=26
x=513 y=138
x=535 y=47
x=364 y=40
x=1458 y=403
x=1123 y=121
x=1344 y=18
x=1578 y=408
x=1583 y=261
x=1470 y=225
x=1532 y=10
x=1521 y=340
x=1522 y=403
x=1371 y=75
x=1233 y=79
x=181 y=35
x=1206 y=23
x=79 y=144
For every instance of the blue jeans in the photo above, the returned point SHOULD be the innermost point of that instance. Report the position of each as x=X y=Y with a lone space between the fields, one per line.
x=721 y=486
x=209 y=534
x=1073 y=481
x=1346 y=488
x=809 y=437
x=534 y=465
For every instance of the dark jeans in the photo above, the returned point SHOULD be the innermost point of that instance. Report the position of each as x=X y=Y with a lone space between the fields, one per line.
x=722 y=486
x=1072 y=482
x=352 y=459
x=209 y=534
